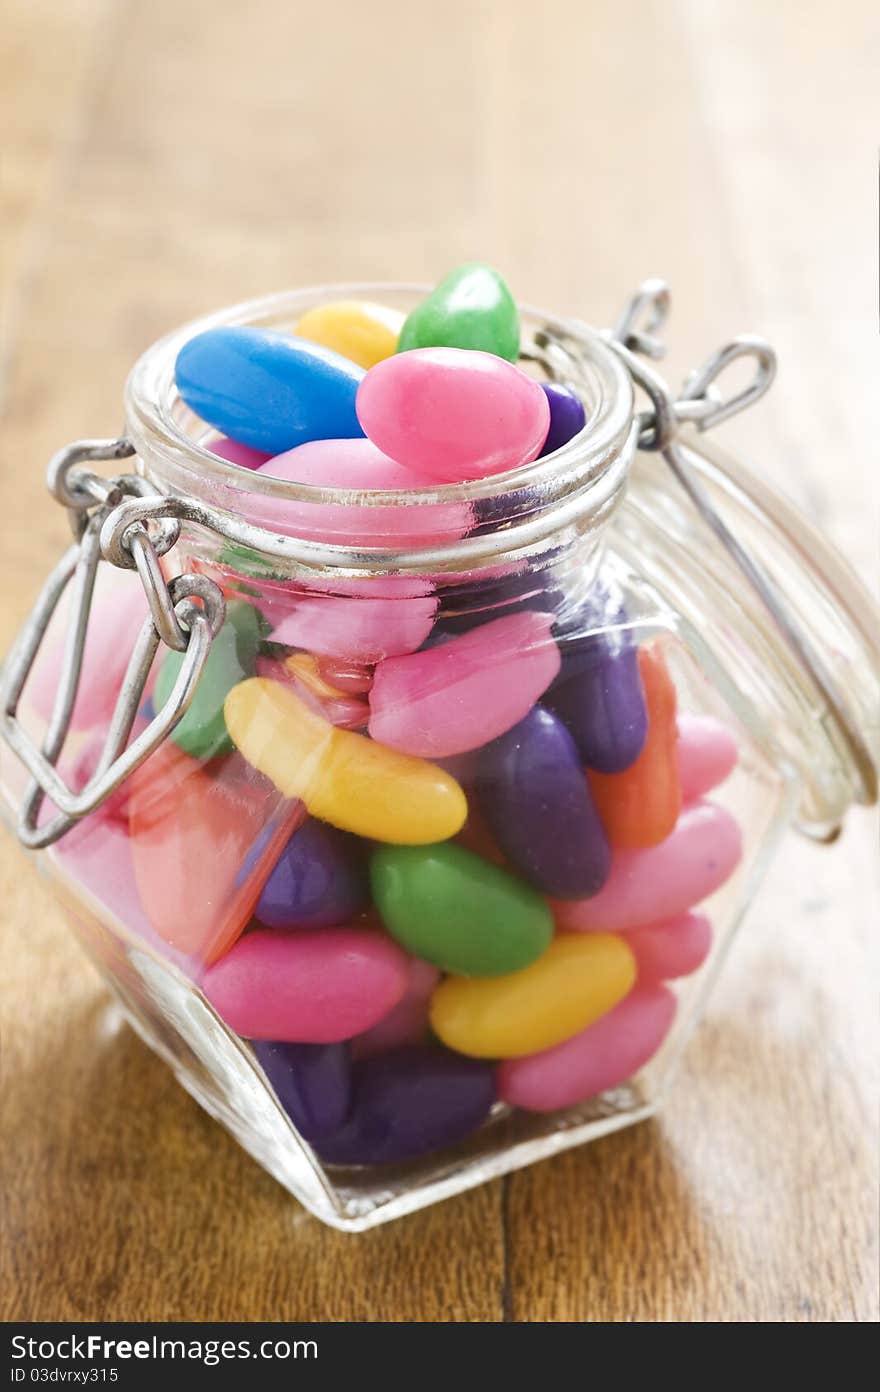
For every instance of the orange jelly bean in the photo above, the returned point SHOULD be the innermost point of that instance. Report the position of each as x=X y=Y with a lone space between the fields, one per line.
x=640 y=806
x=203 y=843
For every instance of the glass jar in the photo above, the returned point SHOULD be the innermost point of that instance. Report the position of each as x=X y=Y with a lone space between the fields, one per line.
x=418 y=858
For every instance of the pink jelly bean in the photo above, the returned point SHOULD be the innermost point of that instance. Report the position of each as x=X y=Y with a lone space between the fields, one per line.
x=450 y=414
x=602 y=1056
x=408 y=1021
x=97 y=853
x=358 y=464
x=119 y=607
x=362 y=630
x=307 y=987
x=236 y=453
x=661 y=882
x=707 y=754
x=466 y=692
x=674 y=948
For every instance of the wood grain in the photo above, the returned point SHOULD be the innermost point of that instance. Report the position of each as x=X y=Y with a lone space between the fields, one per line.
x=162 y=158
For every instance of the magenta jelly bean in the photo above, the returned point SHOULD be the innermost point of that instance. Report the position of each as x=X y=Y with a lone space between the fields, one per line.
x=676 y=947
x=604 y=1055
x=307 y=987
x=663 y=881
x=407 y=1023
x=451 y=414
x=456 y=697
x=707 y=754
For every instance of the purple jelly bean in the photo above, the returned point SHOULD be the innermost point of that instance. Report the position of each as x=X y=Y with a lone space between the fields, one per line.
x=311 y=1081
x=567 y=416
x=598 y=694
x=409 y=1101
x=318 y=880
x=538 y=804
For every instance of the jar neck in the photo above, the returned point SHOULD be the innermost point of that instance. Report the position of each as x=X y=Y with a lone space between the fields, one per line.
x=555 y=501
x=831 y=745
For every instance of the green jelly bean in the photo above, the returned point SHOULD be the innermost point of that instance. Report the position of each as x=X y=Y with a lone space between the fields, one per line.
x=455 y=909
x=202 y=731
x=471 y=308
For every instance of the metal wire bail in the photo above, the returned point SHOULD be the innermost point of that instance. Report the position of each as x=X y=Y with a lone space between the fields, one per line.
x=186 y=615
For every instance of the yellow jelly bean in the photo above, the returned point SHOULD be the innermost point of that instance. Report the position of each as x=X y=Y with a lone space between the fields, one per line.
x=366 y=333
x=343 y=778
x=580 y=977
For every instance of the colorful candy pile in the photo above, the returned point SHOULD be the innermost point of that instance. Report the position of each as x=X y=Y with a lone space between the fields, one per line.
x=425 y=861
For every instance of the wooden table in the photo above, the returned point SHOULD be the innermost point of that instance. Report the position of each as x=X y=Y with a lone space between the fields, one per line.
x=166 y=156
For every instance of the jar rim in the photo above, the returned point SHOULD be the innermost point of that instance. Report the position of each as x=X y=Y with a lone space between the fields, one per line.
x=581 y=480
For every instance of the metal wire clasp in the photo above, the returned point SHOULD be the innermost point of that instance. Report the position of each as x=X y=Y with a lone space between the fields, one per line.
x=701 y=403
x=185 y=614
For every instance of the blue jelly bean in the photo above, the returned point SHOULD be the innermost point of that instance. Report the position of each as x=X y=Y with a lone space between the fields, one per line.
x=537 y=802
x=567 y=416
x=410 y=1101
x=268 y=390
x=318 y=880
x=311 y=1081
x=598 y=694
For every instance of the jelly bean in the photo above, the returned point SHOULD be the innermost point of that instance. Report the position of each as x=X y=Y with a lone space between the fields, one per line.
x=296 y=671
x=557 y=996
x=671 y=949
x=342 y=777
x=235 y=453
x=203 y=841
x=307 y=988
x=311 y=1081
x=540 y=810
x=408 y=1102
x=707 y=754
x=470 y=308
x=599 y=694
x=567 y=416
x=361 y=630
x=640 y=806
x=449 y=415
x=467 y=692
x=319 y=879
x=202 y=731
x=364 y=332
x=451 y=908
x=346 y=676
x=601 y=1057
x=663 y=881
x=303 y=669
x=119 y=607
x=266 y=389
x=358 y=465
x=407 y=1023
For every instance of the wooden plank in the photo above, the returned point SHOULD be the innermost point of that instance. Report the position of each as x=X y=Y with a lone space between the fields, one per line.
x=233 y=150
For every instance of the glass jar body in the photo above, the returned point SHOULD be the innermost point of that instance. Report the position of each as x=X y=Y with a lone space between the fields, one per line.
x=434 y=877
